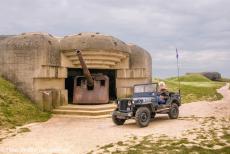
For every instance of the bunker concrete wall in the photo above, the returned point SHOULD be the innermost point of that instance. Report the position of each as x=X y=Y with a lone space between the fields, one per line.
x=32 y=58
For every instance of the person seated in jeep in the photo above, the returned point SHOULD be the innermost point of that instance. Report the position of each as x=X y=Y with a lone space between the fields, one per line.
x=162 y=93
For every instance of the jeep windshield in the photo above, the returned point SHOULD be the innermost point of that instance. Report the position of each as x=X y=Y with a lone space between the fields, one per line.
x=145 y=90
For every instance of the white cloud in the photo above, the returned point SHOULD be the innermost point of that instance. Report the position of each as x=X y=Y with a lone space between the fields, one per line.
x=200 y=28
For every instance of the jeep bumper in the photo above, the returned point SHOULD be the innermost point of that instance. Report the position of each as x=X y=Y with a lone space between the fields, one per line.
x=123 y=115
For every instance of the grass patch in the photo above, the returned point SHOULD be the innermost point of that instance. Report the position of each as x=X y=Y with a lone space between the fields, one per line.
x=120 y=143
x=105 y=147
x=226 y=136
x=16 y=109
x=206 y=141
x=171 y=146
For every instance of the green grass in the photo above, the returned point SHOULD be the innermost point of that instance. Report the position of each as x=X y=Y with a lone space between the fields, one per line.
x=16 y=109
x=195 y=87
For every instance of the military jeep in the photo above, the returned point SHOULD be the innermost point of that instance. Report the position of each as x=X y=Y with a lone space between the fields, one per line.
x=145 y=104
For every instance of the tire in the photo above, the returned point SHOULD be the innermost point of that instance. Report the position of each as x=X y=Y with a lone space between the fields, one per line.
x=143 y=116
x=117 y=121
x=153 y=115
x=173 y=111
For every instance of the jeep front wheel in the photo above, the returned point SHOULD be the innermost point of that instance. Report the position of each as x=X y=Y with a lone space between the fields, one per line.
x=143 y=116
x=173 y=111
x=117 y=121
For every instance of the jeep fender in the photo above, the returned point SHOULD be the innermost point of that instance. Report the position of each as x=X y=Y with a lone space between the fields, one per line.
x=175 y=101
x=150 y=105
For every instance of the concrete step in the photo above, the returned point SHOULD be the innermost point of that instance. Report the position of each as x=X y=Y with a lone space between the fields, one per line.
x=86 y=111
x=88 y=107
x=81 y=116
x=83 y=112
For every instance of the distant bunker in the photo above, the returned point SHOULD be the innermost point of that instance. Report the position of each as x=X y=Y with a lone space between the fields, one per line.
x=45 y=67
x=214 y=76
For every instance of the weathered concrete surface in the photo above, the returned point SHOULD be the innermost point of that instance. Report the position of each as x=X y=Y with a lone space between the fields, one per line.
x=71 y=135
x=32 y=62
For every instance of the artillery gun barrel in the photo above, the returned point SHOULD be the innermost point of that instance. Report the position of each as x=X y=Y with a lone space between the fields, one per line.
x=86 y=72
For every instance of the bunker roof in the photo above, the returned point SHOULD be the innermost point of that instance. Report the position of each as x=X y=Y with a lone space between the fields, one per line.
x=93 y=41
x=30 y=40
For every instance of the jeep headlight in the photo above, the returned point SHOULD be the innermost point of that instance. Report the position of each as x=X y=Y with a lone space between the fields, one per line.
x=129 y=103
x=118 y=102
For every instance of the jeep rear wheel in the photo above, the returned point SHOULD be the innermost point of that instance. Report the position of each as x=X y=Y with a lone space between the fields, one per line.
x=143 y=116
x=117 y=121
x=173 y=111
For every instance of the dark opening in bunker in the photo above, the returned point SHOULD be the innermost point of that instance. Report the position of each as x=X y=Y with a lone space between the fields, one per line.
x=73 y=72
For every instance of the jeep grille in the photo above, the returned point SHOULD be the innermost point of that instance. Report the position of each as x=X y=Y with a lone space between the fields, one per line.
x=123 y=105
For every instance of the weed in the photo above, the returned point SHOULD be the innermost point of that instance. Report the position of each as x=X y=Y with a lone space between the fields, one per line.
x=107 y=146
x=23 y=130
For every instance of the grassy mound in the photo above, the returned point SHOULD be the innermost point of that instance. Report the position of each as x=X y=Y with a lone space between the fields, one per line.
x=16 y=109
x=195 y=87
x=191 y=78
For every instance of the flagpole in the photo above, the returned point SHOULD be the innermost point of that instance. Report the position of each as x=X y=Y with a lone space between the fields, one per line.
x=178 y=69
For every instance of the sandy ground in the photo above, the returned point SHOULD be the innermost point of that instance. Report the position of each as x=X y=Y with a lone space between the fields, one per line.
x=71 y=135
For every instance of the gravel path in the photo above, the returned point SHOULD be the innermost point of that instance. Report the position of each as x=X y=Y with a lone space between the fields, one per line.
x=70 y=135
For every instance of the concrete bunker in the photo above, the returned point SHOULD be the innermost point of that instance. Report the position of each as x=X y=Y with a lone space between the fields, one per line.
x=44 y=67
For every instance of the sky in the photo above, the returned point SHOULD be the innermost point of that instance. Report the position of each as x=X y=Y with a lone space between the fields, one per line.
x=199 y=29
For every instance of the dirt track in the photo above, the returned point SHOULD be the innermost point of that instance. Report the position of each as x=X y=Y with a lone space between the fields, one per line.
x=71 y=135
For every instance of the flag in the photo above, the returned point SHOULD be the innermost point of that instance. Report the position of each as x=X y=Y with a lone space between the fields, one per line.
x=177 y=55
